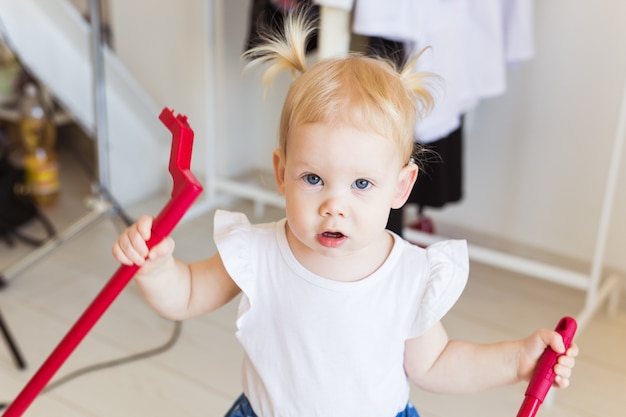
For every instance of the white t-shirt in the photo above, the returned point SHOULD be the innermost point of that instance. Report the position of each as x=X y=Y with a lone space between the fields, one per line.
x=324 y=348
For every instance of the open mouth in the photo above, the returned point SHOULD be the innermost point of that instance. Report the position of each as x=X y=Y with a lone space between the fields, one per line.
x=331 y=239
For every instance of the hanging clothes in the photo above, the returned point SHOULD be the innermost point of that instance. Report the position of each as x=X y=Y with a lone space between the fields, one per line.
x=440 y=180
x=470 y=46
x=441 y=176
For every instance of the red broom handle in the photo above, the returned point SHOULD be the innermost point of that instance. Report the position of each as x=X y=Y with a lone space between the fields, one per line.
x=543 y=375
x=185 y=190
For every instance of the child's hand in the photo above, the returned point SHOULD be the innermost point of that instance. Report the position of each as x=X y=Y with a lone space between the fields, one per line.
x=131 y=248
x=532 y=348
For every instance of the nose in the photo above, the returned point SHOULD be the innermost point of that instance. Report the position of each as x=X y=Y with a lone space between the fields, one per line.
x=333 y=206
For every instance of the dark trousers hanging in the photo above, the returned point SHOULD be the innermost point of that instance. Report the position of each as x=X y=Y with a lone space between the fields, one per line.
x=440 y=180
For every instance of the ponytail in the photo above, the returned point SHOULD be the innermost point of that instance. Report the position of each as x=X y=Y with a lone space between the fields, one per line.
x=286 y=50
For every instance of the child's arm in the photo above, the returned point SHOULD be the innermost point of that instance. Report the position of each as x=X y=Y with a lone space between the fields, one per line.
x=176 y=290
x=435 y=363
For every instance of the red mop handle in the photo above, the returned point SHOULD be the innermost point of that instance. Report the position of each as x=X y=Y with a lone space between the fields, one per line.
x=543 y=376
x=185 y=190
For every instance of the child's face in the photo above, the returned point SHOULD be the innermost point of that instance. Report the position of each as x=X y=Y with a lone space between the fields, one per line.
x=339 y=184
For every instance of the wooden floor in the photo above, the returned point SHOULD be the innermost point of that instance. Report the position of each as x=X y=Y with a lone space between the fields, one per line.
x=199 y=374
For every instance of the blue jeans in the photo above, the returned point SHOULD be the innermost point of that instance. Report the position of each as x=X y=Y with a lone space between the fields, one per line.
x=242 y=408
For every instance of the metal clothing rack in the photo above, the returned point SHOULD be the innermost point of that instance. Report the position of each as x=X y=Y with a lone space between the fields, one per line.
x=597 y=289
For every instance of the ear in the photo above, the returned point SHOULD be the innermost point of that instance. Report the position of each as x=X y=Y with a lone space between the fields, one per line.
x=406 y=180
x=278 y=160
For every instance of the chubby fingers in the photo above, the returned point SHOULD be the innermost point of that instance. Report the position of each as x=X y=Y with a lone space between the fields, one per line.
x=131 y=248
x=564 y=366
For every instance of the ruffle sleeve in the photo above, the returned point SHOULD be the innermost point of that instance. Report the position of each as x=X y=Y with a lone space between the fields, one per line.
x=232 y=238
x=449 y=269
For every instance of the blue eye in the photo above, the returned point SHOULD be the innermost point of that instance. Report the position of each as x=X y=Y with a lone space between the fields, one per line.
x=312 y=179
x=362 y=184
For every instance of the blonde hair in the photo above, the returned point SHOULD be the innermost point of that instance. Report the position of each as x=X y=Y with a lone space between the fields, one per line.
x=369 y=93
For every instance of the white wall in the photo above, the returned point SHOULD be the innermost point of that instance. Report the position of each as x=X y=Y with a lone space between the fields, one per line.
x=249 y=114
x=536 y=158
x=169 y=47
x=164 y=45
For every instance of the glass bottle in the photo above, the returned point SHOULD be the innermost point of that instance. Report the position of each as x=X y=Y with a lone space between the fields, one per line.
x=38 y=138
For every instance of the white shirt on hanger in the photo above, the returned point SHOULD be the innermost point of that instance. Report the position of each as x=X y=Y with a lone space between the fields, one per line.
x=470 y=47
